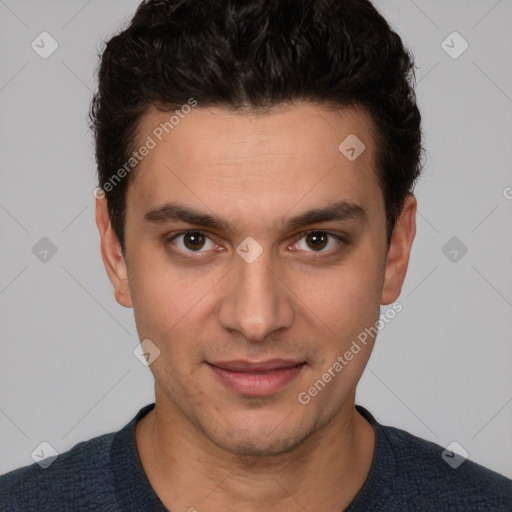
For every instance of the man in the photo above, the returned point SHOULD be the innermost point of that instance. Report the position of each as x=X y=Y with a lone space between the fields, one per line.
x=256 y=163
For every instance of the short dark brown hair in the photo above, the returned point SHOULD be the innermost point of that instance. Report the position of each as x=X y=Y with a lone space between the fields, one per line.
x=258 y=54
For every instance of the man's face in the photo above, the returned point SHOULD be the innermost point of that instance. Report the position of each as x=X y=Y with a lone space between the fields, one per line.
x=255 y=288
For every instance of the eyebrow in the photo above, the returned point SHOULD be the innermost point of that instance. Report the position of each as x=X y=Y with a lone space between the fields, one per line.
x=176 y=212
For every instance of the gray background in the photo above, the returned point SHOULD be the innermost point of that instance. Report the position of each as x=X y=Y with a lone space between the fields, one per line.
x=441 y=369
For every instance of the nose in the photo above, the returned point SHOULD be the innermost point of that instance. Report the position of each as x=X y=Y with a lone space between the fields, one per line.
x=257 y=301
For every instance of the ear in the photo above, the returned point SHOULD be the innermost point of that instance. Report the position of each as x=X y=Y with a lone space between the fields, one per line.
x=399 y=251
x=112 y=255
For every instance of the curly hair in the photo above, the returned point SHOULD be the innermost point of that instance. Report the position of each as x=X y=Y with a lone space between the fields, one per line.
x=256 y=54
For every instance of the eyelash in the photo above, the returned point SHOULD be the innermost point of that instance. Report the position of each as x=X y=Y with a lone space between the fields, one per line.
x=339 y=238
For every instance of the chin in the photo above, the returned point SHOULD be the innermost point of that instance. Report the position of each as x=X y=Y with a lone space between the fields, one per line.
x=263 y=440
x=256 y=448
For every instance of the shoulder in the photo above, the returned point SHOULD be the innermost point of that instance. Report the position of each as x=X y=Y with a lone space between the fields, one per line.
x=428 y=473
x=77 y=476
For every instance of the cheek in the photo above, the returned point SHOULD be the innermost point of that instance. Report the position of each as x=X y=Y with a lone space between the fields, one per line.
x=350 y=308
x=166 y=297
x=347 y=297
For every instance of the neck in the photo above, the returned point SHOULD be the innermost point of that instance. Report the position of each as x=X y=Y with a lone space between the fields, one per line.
x=188 y=471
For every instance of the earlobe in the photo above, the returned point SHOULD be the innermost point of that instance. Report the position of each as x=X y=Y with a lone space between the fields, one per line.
x=112 y=256
x=399 y=251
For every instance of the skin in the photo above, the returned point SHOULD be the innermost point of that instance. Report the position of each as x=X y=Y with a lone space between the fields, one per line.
x=206 y=446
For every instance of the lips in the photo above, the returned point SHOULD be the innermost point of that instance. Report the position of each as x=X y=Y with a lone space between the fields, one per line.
x=259 y=378
x=256 y=367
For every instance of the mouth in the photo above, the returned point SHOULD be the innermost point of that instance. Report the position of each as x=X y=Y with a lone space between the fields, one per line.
x=257 y=378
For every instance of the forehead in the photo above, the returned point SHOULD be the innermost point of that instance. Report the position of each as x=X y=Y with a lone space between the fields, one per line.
x=232 y=136
x=263 y=164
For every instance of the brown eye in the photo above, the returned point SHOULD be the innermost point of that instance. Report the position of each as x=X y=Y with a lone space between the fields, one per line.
x=192 y=241
x=319 y=241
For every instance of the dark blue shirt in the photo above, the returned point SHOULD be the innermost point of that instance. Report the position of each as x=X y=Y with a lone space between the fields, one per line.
x=105 y=474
